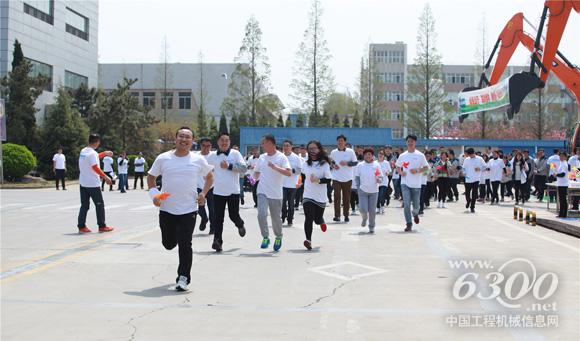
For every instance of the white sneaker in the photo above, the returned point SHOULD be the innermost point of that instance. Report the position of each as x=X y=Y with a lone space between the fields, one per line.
x=442 y=205
x=439 y=204
x=363 y=223
x=378 y=211
x=382 y=209
x=181 y=284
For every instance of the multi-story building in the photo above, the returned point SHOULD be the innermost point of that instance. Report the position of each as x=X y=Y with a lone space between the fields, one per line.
x=59 y=38
x=390 y=68
x=181 y=83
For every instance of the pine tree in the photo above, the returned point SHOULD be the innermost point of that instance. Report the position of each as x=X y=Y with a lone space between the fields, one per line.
x=335 y=121
x=280 y=123
x=244 y=120
x=313 y=119
x=17 y=55
x=83 y=99
x=63 y=127
x=300 y=121
x=202 y=126
x=346 y=123
x=223 y=124
x=356 y=120
x=213 y=129
x=235 y=129
x=288 y=122
x=325 y=120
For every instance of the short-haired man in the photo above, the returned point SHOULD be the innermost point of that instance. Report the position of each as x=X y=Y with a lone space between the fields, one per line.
x=59 y=167
x=180 y=170
x=89 y=181
x=205 y=152
x=343 y=161
x=473 y=165
x=272 y=168
x=139 y=169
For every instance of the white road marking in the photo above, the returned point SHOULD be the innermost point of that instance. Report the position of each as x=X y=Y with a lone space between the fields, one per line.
x=38 y=206
x=143 y=208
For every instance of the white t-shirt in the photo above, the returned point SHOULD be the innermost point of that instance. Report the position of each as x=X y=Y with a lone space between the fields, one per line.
x=226 y=182
x=122 y=168
x=367 y=171
x=408 y=161
x=296 y=164
x=562 y=168
x=271 y=181
x=344 y=173
x=60 y=160
x=252 y=162
x=179 y=179
x=469 y=166
x=314 y=191
x=107 y=164
x=553 y=160
x=201 y=179
x=385 y=170
x=139 y=164
x=87 y=159
x=496 y=169
x=574 y=161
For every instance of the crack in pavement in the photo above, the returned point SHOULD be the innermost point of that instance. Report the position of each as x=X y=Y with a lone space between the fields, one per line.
x=318 y=300
x=133 y=319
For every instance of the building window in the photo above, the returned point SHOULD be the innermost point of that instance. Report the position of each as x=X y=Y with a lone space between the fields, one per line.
x=149 y=99
x=40 y=9
x=77 y=24
x=397 y=133
x=185 y=100
x=393 y=96
x=167 y=101
x=74 y=80
x=458 y=78
x=392 y=77
x=395 y=116
x=41 y=69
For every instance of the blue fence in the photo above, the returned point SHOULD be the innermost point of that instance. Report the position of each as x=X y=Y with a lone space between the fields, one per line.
x=250 y=136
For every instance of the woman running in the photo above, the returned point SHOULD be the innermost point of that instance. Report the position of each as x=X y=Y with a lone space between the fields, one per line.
x=384 y=186
x=442 y=168
x=368 y=177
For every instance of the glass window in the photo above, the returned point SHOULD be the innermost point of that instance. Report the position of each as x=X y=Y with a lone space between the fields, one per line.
x=41 y=9
x=397 y=133
x=185 y=100
x=167 y=101
x=74 y=80
x=43 y=69
x=149 y=99
x=77 y=24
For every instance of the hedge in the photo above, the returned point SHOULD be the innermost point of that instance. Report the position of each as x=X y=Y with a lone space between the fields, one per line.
x=18 y=161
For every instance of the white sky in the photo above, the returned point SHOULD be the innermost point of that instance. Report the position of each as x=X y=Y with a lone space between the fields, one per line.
x=132 y=31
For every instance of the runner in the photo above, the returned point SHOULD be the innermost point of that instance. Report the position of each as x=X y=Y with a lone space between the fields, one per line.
x=290 y=183
x=496 y=167
x=442 y=168
x=519 y=177
x=344 y=159
x=206 y=216
x=89 y=182
x=454 y=173
x=411 y=165
x=227 y=163
x=272 y=168
x=316 y=169
x=384 y=186
x=472 y=167
x=368 y=176
x=180 y=170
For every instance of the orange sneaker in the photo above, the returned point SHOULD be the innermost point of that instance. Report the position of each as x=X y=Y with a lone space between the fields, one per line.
x=105 y=229
x=84 y=230
x=323 y=227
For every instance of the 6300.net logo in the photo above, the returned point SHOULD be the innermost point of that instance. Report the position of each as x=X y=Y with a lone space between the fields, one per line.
x=514 y=281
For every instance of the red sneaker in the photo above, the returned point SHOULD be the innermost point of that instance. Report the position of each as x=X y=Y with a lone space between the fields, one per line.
x=105 y=229
x=84 y=230
x=323 y=227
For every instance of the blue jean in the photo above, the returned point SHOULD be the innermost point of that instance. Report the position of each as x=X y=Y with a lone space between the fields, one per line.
x=397 y=187
x=242 y=188
x=123 y=182
x=410 y=195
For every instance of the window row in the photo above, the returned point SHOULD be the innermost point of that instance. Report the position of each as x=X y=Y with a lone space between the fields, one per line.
x=397 y=57
x=76 y=23
x=391 y=77
x=150 y=100
x=71 y=80
x=458 y=78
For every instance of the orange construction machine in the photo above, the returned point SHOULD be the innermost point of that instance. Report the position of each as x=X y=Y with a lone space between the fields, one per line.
x=489 y=94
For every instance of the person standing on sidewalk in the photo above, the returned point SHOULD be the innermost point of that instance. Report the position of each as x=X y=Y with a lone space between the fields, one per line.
x=139 y=169
x=344 y=159
x=562 y=181
x=541 y=174
x=316 y=169
x=123 y=170
x=473 y=165
x=228 y=163
x=59 y=167
x=411 y=165
x=272 y=168
x=496 y=167
x=180 y=170
x=290 y=183
x=89 y=183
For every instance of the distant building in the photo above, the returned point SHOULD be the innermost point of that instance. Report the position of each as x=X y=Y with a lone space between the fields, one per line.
x=59 y=38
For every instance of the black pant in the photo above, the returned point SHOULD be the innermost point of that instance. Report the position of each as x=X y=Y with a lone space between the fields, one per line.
x=383 y=190
x=177 y=230
x=299 y=192
x=518 y=190
x=140 y=176
x=482 y=191
x=443 y=186
x=431 y=191
x=563 y=201
x=312 y=213
x=487 y=188
x=95 y=194
x=59 y=175
x=471 y=193
x=209 y=204
x=540 y=184
x=255 y=193
x=353 y=198
x=288 y=204
x=494 y=194
x=453 y=191
x=422 y=198
x=108 y=174
x=233 y=202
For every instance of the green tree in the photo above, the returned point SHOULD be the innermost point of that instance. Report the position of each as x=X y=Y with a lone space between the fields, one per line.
x=223 y=123
x=63 y=127
x=335 y=121
x=244 y=120
x=20 y=89
x=288 y=122
x=213 y=129
x=313 y=81
x=235 y=129
x=83 y=99
x=356 y=120
x=426 y=94
x=346 y=123
x=313 y=119
x=280 y=123
x=202 y=127
x=300 y=121
x=325 y=120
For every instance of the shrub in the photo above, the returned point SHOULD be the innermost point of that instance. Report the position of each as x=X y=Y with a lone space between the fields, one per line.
x=18 y=161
